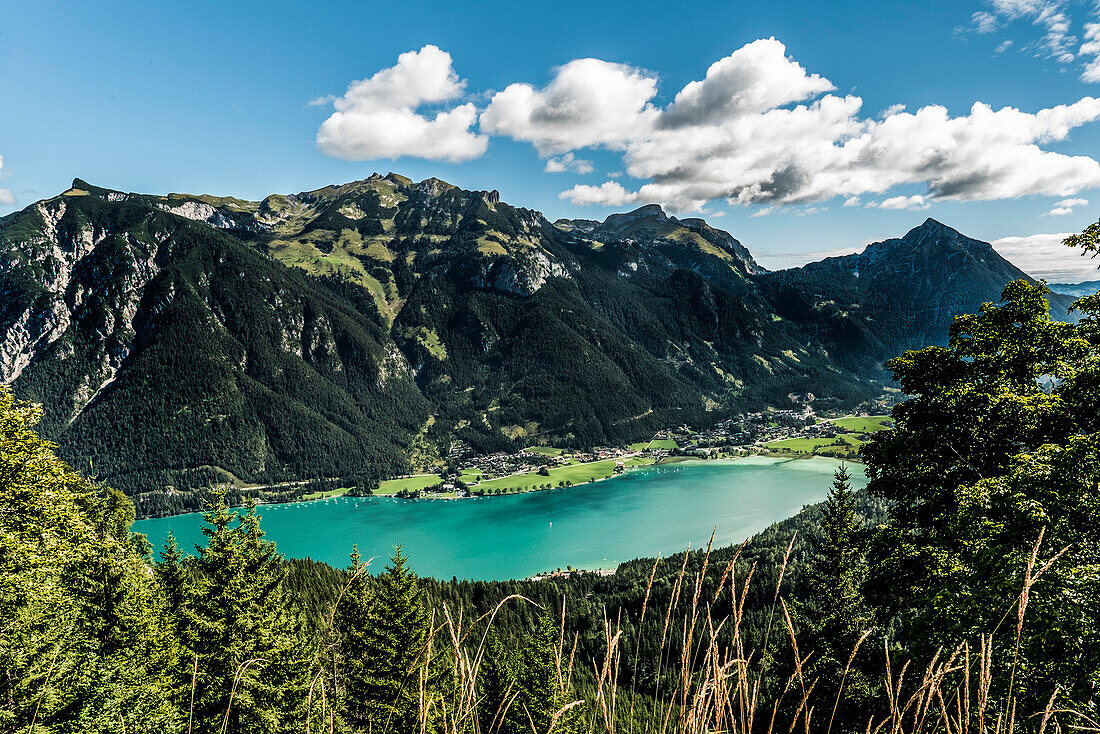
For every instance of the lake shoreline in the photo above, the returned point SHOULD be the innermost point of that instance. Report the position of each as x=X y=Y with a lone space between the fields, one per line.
x=667 y=461
x=664 y=509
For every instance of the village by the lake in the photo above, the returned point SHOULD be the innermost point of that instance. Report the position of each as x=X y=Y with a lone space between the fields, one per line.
x=797 y=431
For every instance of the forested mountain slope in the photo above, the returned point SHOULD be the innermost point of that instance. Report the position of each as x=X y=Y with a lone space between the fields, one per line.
x=355 y=331
x=168 y=354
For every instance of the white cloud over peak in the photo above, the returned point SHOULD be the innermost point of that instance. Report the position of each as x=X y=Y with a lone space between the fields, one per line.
x=609 y=193
x=589 y=102
x=1066 y=206
x=760 y=129
x=815 y=151
x=379 y=117
x=757 y=129
x=902 y=202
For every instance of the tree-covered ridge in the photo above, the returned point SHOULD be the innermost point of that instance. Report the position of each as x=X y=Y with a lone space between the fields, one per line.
x=168 y=355
x=351 y=333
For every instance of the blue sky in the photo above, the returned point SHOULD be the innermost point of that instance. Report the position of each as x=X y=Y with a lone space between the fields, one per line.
x=765 y=118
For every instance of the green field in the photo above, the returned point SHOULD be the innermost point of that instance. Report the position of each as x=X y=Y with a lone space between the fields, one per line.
x=864 y=424
x=576 y=473
x=657 y=443
x=544 y=450
x=413 y=483
x=815 y=445
x=331 y=493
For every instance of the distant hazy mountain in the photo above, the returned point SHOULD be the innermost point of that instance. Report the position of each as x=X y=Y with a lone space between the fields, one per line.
x=357 y=331
x=1076 y=289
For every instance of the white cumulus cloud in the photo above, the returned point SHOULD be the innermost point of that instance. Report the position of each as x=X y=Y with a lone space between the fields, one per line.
x=1044 y=256
x=823 y=149
x=1066 y=206
x=589 y=102
x=759 y=128
x=753 y=79
x=381 y=117
x=568 y=162
x=609 y=193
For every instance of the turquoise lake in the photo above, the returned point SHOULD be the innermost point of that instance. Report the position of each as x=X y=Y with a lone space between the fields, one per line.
x=650 y=510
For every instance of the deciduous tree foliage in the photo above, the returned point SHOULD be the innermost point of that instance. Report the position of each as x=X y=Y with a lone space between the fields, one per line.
x=83 y=646
x=997 y=448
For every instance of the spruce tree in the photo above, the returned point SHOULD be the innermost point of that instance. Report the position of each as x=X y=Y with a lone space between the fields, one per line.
x=522 y=693
x=251 y=658
x=351 y=620
x=835 y=608
x=382 y=689
x=172 y=577
x=541 y=693
x=497 y=690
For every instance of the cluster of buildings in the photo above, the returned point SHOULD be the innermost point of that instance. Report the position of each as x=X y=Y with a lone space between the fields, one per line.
x=501 y=464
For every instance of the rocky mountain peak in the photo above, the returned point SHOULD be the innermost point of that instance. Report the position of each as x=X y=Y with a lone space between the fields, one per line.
x=83 y=186
x=398 y=179
x=434 y=186
x=649 y=218
x=932 y=228
x=649 y=211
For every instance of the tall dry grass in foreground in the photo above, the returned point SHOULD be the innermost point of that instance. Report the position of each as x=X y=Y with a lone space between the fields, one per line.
x=719 y=684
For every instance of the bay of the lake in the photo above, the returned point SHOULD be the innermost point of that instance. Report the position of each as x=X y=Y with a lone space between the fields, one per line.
x=656 y=509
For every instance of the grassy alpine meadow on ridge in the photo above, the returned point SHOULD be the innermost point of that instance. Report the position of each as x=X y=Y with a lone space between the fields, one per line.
x=960 y=592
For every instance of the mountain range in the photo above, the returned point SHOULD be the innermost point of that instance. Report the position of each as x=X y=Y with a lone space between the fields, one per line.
x=1086 y=288
x=359 y=331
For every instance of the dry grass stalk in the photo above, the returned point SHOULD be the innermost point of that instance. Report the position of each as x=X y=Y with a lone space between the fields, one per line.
x=719 y=685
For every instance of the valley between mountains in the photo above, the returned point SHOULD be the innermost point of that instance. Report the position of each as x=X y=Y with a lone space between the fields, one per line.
x=363 y=331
